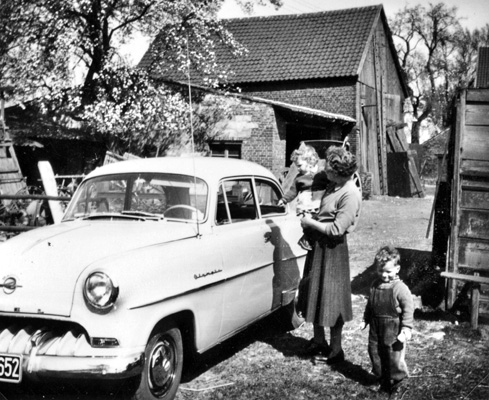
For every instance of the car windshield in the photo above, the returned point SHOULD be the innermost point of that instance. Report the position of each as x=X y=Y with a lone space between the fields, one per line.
x=140 y=196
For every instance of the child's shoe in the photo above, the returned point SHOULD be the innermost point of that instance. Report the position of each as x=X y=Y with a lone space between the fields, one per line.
x=304 y=243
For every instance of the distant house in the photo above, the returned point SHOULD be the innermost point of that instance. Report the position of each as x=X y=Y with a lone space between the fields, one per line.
x=341 y=62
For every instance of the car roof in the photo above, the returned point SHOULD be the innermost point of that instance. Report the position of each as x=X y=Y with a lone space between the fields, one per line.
x=207 y=168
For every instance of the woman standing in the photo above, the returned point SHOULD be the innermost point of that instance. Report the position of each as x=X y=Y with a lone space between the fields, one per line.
x=325 y=294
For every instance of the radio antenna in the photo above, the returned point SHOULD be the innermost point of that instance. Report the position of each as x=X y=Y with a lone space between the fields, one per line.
x=192 y=140
x=190 y=100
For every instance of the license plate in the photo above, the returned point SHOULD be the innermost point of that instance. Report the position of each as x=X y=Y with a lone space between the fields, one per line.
x=10 y=368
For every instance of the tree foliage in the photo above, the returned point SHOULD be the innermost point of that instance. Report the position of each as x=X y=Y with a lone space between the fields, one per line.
x=47 y=45
x=438 y=57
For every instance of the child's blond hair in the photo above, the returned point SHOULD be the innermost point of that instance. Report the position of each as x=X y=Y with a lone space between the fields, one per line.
x=306 y=153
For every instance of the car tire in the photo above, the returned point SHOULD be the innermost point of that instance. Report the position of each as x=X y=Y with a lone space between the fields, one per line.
x=163 y=364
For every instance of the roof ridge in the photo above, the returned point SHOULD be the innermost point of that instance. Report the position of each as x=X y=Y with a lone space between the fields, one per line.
x=302 y=15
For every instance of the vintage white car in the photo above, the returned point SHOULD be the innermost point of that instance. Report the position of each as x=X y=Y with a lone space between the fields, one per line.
x=154 y=258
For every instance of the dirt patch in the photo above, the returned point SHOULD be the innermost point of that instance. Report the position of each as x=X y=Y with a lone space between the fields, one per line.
x=400 y=222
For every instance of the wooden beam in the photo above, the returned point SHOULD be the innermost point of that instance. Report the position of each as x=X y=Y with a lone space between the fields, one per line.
x=478 y=95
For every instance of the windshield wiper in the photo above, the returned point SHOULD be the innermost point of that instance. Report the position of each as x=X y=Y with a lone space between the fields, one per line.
x=144 y=214
x=138 y=215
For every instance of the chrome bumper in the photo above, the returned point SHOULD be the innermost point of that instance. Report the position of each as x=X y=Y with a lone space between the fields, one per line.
x=66 y=353
x=120 y=367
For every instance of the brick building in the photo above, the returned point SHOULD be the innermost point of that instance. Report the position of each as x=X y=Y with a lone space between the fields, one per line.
x=340 y=62
x=257 y=129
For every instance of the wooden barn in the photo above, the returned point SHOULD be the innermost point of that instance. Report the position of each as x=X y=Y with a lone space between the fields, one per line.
x=341 y=62
x=463 y=231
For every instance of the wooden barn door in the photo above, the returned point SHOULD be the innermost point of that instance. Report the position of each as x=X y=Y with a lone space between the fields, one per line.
x=469 y=239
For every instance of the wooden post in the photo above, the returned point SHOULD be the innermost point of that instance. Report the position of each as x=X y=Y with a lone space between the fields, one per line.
x=456 y=192
x=381 y=118
x=474 y=306
x=51 y=189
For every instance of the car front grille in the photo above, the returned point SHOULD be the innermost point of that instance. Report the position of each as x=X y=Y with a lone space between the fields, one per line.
x=56 y=339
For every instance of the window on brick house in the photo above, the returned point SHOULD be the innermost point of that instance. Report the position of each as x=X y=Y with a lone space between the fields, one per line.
x=225 y=149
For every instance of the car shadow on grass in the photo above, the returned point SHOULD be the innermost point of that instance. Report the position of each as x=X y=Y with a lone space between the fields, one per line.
x=198 y=364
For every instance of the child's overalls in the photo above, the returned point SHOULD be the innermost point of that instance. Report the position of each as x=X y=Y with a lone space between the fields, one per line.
x=385 y=351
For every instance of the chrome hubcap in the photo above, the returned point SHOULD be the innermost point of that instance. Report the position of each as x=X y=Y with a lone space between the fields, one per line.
x=162 y=367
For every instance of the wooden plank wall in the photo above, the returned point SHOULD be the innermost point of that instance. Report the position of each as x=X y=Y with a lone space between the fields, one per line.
x=11 y=179
x=469 y=241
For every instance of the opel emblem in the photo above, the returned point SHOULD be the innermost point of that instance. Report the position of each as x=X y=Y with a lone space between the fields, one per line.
x=9 y=285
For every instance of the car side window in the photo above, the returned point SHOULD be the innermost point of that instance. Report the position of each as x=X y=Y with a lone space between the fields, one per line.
x=268 y=196
x=235 y=202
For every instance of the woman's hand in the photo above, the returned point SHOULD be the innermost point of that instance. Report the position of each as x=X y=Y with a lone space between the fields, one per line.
x=306 y=221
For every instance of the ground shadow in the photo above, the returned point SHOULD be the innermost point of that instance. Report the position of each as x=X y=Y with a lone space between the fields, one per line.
x=292 y=346
x=355 y=373
x=269 y=330
x=288 y=344
x=70 y=390
x=417 y=271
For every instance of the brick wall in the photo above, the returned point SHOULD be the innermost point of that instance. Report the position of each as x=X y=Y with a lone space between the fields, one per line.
x=265 y=145
x=262 y=130
x=258 y=128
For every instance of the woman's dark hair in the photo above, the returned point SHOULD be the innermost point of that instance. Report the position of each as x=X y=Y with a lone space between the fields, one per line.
x=341 y=161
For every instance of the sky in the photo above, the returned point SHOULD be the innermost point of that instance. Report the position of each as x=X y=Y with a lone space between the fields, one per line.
x=473 y=13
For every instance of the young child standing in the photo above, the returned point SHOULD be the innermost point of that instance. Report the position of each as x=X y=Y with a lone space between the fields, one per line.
x=308 y=186
x=389 y=312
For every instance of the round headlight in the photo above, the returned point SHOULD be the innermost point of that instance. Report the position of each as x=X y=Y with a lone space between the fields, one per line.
x=100 y=291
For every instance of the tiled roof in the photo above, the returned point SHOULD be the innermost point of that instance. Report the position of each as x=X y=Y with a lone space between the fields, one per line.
x=483 y=68
x=302 y=46
x=296 y=47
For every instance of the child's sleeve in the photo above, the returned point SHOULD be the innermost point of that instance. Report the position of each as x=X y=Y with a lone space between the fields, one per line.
x=406 y=304
x=291 y=194
x=367 y=314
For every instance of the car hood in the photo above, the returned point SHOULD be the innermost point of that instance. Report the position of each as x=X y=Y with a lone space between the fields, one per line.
x=46 y=263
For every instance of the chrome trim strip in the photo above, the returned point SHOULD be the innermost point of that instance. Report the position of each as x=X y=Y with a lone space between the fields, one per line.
x=211 y=284
x=203 y=287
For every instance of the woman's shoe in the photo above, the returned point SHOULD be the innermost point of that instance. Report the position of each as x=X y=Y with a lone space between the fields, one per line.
x=313 y=348
x=338 y=358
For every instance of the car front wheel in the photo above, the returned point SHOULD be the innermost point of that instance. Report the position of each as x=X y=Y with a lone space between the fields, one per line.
x=163 y=366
